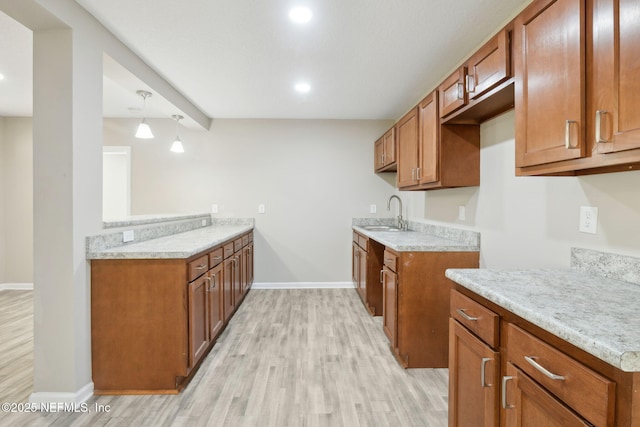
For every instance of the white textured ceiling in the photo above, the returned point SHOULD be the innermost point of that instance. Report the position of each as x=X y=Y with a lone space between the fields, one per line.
x=365 y=59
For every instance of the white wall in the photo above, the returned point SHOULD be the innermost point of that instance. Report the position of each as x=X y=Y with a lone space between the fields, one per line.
x=16 y=200
x=312 y=175
x=533 y=221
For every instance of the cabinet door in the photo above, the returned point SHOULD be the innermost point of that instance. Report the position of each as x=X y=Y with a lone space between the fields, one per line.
x=198 y=322
x=362 y=274
x=389 y=142
x=429 y=137
x=355 y=264
x=407 y=137
x=228 y=280
x=526 y=404
x=238 y=278
x=474 y=375
x=248 y=267
x=390 y=306
x=549 y=82
x=378 y=154
x=215 y=304
x=489 y=66
x=452 y=93
x=614 y=122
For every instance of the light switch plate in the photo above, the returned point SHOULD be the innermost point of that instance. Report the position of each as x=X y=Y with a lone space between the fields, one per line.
x=127 y=236
x=261 y=208
x=588 y=219
x=461 y=213
x=373 y=209
x=214 y=208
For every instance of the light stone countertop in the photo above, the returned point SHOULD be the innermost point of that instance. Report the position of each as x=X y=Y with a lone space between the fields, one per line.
x=597 y=314
x=176 y=246
x=416 y=241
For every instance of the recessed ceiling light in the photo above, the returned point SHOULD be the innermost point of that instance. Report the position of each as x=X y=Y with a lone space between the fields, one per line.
x=302 y=87
x=300 y=14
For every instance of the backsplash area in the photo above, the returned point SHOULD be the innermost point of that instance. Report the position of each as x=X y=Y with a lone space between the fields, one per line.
x=613 y=266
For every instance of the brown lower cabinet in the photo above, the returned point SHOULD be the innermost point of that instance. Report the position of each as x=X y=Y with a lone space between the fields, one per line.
x=416 y=304
x=154 y=320
x=365 y=271
x=504 y=371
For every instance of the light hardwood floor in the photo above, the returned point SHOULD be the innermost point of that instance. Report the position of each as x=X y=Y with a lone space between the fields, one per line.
x=287 y=358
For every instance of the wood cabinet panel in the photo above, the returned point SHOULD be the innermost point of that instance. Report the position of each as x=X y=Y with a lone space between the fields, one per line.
x=549 y=59
x=215 y=306
x=228 y=291
x=529 y=405
x=452 y=92
x=474 y=380
x=389 y=306
x=215 y=257
x=614 y=122
x=407 y=138
x=385 y=152
x=429 y=139
x=475 y=317
x=198 y=319
x=533 y=356
x=198 y=267
x=489 y=66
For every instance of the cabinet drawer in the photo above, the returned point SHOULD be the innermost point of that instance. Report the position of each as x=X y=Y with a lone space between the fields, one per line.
x=215 y=257
x=245 y=240
x=197 y=267
x=228 y=250
x=250 y=237
x=356 y=238
x=390 y=260
x=363 y=242
x=584 y=390
x=237 y=244
x=475 y=317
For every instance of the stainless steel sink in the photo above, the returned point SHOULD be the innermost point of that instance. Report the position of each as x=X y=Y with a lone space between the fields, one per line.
x=381 y=228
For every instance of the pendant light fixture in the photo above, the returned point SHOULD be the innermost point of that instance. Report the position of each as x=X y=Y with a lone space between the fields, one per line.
x=177 y=147
x=144 y=131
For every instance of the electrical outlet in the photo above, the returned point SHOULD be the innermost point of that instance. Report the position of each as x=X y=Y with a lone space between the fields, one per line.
x=204 y=222
x=373 y=209
x=461 y=213
x=214 y=208
x=127 y=236
x=261 y=208
x=588 y=219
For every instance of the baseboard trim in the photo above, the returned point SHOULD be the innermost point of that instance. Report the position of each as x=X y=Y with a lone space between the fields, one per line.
x=16 y=286
x=302 y=285
x=48 y=398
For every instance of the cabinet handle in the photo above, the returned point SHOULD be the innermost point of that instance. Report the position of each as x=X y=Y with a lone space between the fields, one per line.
x=599 y=138
x=381 y=278
x=417 y=174
x=201 y=267
x=413 y=174
x=460 y=91
x=217 y=257
x=471 y=83
x=505 y=379
x=542 y=369
x=213 y=280
x=483 y=366
x=567 y=134
x=382 y=159
x=465 y=315
x=208 y=279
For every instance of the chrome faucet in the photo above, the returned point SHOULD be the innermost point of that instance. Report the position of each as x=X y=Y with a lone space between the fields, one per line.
x=402 y=224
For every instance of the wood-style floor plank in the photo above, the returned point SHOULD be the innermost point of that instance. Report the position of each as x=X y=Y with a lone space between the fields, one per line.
x=288 y=358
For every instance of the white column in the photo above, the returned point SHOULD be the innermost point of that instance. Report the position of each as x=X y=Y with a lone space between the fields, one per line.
x=67 y=119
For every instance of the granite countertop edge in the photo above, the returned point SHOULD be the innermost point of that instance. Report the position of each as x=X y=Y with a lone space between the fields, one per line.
x=615 y=353
x=186 y=244
x=415 y=241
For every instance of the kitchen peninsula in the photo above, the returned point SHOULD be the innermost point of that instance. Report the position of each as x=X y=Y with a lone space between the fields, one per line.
x=159 y=303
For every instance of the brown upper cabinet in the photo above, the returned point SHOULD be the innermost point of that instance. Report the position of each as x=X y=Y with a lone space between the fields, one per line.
x=453 y=93
x=482 y=87
x=385 y=152
x=577 y=92
x=433 y=156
